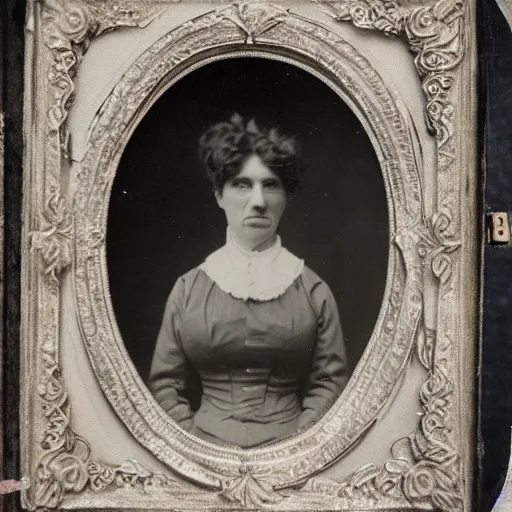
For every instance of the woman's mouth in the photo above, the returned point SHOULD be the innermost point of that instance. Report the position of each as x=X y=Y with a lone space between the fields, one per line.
x=257 y=221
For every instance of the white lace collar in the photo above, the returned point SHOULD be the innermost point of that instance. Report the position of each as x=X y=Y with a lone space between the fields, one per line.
x=258 y=275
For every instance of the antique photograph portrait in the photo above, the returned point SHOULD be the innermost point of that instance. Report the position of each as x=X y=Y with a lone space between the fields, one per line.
x=252 y=192
x=250 y=265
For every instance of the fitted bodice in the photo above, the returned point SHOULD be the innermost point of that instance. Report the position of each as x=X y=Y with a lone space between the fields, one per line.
x=255 y=359
x=219 y=331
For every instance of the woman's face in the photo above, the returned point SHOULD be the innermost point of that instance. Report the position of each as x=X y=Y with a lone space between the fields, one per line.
x=253 y=202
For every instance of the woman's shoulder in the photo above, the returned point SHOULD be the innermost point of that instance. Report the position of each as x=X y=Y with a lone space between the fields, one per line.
x=190 y=276
x=317 y=289
x=184 y=284
x=310 y=278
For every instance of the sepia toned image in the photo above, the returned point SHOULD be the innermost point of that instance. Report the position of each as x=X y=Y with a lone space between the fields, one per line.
x=249 y=256
x=254 y=344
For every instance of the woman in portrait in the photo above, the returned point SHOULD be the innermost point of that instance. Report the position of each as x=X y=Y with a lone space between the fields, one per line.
x=260 y=328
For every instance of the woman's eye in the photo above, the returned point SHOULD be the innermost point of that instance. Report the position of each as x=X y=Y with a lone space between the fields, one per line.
x=272 y=185
x=241 y=185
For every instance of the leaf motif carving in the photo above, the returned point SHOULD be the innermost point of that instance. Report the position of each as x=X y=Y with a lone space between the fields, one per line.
x=253 y=18
x=438 y=244
x=250 y=492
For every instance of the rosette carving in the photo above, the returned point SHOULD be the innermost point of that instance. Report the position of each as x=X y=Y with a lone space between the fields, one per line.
x=425 y=467
x=65 y=465
x=53 y=242
x=68 y=28
x=434 y=36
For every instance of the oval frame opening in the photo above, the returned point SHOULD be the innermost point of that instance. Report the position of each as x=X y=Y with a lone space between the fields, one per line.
x=336 y=63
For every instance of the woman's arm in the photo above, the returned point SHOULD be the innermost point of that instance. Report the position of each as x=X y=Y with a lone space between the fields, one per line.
x=329 y=369
x=169 y=368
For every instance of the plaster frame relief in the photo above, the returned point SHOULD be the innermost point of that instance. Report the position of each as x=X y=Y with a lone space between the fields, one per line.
x=430 y=299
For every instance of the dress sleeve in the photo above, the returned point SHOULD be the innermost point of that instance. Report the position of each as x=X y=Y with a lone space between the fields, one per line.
x=169 y=368
x=329 y=370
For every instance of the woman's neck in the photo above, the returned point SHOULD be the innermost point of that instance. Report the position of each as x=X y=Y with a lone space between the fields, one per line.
x=257 y=247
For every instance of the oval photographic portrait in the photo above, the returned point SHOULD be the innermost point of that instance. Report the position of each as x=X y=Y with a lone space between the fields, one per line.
x=247 y=249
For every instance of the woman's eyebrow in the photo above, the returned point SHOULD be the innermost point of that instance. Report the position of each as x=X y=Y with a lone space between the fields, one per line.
x=271 y=181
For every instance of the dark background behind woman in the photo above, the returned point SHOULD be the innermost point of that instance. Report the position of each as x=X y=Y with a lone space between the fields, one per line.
x=163 y=217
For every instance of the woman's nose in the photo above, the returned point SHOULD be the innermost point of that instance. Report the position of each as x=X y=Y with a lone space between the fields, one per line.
x=258 y=199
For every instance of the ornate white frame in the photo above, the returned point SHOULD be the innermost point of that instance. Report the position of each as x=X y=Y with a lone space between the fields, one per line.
x=429 y=307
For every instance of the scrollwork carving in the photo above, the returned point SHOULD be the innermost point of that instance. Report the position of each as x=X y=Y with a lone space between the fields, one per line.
x=53 y=241
x=65 y=465
x=438 y=243
x=434 y=36
x=62 y=466
x=68 y=29
x=129 y=473
x=425 y=468
x=381 y=15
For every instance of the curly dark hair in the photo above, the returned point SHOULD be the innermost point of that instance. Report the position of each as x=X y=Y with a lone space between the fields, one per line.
x=225 y=147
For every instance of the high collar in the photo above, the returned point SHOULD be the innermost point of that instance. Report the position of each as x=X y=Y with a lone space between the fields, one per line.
x=257 y=275
x=236 y=251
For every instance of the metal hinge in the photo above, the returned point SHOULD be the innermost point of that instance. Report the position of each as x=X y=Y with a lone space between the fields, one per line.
x=499 y=228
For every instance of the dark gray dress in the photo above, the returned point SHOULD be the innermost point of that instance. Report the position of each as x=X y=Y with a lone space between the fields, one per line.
x=267 y=368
